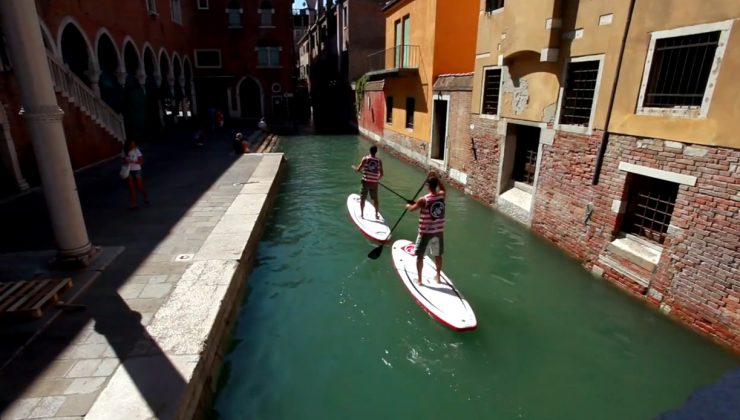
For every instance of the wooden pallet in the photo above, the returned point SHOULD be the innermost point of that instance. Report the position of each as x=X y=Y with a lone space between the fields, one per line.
x=30 y=297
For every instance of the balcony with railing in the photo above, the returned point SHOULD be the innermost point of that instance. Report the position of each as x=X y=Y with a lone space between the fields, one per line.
x=394 y=61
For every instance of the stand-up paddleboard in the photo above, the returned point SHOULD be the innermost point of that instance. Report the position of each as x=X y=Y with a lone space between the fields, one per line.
x=374 y=229
x=441 y=300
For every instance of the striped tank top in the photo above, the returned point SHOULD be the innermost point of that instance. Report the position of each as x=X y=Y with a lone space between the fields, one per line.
x=432 y=218
x=371 y=169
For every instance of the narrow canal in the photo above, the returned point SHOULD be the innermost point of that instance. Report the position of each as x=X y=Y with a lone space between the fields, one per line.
x=325 y=333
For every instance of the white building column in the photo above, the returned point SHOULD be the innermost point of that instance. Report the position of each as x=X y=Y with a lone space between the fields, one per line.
x=44 y=123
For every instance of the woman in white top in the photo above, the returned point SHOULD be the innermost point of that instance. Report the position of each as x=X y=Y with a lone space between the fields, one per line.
x=133 y=157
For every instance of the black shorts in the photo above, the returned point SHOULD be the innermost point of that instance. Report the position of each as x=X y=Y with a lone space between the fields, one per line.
x=372 y=188
x=434 y=241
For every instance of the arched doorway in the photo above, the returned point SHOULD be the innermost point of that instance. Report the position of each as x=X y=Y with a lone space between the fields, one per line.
x=189 y=108
x=165 y=93
x=134 y=98
x=250 y=99
x=75 y=52
x=177 y=73
x=153 y=121
x=110 y=89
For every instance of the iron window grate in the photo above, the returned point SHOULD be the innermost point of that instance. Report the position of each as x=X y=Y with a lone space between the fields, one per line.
x=530 y=164
x=491 y=91
x=650 y=207
x=525 y=155
x=680 y=70
x=578 y=95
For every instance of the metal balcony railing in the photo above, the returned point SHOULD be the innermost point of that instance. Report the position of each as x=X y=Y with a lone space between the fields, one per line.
x=398 y=57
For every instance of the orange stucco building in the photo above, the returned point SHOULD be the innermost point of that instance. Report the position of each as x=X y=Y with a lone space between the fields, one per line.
x=423 y=40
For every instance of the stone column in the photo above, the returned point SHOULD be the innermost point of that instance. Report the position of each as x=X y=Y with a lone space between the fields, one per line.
x=141 y=77
x=121 y=76
x=94 y=76
x=44 y=123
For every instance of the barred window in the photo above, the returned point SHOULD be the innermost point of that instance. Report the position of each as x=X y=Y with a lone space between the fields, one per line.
x=491 y=91
x=525 y=155
x=680 y=70
x=579 y=92
x=649 y=207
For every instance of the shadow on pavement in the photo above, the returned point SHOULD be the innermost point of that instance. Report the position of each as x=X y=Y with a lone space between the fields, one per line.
x=176 y=173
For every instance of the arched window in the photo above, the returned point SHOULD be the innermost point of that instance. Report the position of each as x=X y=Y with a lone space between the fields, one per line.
x=266 y=12
x=234 y=14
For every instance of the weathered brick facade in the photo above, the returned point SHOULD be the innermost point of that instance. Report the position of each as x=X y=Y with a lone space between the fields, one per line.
x=460 y=158
x=483 y=173
x=697 y=278
x=372 y=109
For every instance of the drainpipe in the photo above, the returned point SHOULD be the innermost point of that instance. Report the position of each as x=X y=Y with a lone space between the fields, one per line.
x=605 y=140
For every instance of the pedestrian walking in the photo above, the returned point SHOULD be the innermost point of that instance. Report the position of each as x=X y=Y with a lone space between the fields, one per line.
x=133 y=160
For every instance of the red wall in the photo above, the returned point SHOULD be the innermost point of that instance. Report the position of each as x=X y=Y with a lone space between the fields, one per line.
x=372 y=113
x=122 y=18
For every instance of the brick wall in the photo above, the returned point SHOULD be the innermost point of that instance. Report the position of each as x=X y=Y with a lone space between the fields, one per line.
x=87 y=142
x=460 y=154
x=372 y=111
x=564 y=191
x=484 y=168
x=697 y=278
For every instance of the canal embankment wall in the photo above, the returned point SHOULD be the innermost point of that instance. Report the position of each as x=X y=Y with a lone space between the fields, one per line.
x=692 y=276
x=190 y=331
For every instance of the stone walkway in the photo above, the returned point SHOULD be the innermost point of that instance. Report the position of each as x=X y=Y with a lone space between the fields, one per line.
x=143 y=310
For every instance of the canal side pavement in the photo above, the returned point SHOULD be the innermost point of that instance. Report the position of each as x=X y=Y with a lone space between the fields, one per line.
x=161 y=303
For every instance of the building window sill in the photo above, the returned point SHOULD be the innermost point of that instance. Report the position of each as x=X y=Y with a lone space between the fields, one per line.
x=637 y=250
x=235 y=27
x=677 y=112
x=267 y=27
x=576 y=129
x=437 y=163
x=518 y=197
x=490 y=117
x=269 y=67
x=492 y=12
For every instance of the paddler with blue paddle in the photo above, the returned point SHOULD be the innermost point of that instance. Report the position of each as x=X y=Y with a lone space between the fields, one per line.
x=431 y=225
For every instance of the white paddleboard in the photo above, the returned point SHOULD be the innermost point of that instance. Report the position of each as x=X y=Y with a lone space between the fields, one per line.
x=441 y=300
x=374 y=229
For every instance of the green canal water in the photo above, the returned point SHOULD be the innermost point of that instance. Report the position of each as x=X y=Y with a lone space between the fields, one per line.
x=325 y=333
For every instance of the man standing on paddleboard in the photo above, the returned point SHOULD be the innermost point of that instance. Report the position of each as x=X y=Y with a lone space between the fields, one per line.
x=431 y=225
x=372 y=170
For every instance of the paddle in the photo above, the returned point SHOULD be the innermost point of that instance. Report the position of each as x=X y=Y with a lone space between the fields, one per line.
x=388 y=188
x=375 y=253
x=399 y=195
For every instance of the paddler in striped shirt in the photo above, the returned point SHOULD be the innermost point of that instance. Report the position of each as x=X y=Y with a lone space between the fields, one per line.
x=372 y=170
x=431 y=225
